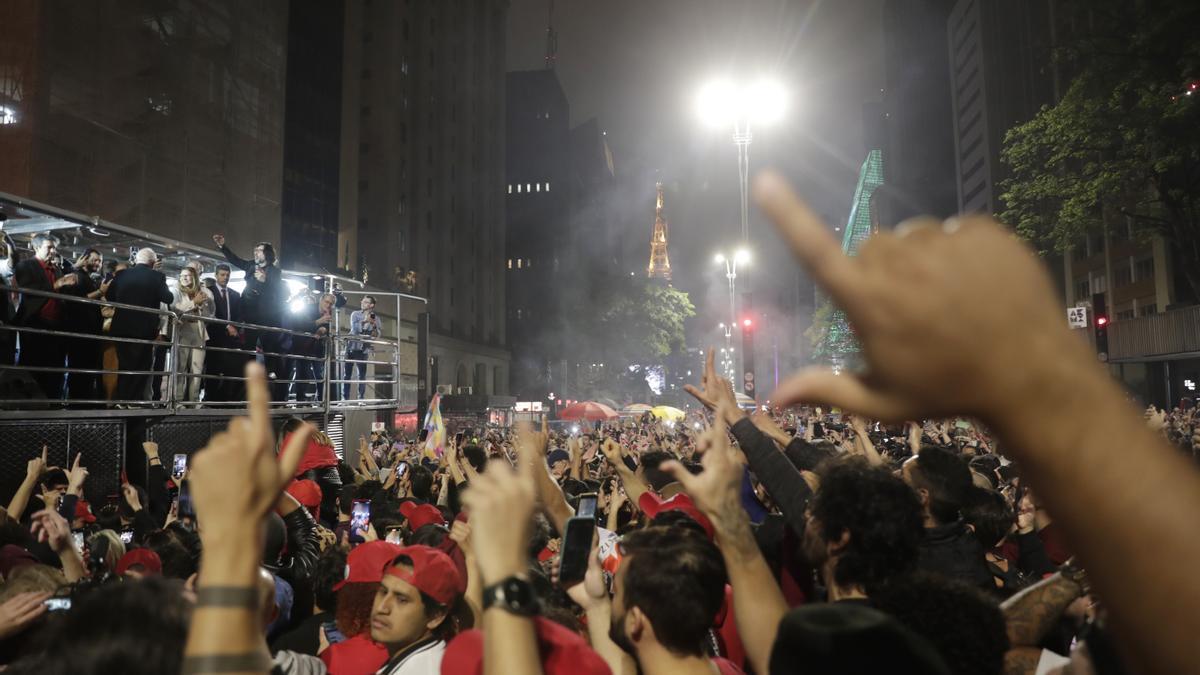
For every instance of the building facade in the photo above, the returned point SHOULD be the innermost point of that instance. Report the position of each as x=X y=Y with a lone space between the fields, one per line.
x=918 y=150
x=421 y=205
x=539 y=209
x=169 y=119
x=312 y=131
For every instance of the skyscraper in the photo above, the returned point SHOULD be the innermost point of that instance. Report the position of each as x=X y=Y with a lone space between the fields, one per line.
x=422 y=172
x=168 y=119
x=918 y=154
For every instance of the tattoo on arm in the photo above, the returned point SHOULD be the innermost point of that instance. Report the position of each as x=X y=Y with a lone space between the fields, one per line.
x=1031 y=613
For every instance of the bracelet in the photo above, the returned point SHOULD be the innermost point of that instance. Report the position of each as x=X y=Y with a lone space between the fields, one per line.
x=226 y=663
x=228 y=596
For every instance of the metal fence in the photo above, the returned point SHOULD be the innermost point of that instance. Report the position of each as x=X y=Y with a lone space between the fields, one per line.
x=310 y=372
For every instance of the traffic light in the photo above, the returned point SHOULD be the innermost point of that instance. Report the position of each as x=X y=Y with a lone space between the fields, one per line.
x=748 y=383
x=1100 y=325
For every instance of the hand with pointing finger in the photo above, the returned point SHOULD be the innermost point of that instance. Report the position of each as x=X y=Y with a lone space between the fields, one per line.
x=896 y=294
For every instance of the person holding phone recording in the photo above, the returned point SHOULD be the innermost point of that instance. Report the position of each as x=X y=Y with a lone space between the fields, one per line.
x=365 y=322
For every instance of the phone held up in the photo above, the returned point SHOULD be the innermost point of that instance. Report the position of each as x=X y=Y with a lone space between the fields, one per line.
x=360 y=519
x=577 y=542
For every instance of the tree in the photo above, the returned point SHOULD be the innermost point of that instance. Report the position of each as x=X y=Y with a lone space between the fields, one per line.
x=633 y=325
x=1123 y=144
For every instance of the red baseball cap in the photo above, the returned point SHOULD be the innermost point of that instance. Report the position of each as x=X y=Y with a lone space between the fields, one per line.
x=561 y=650
x=140 y=557
x=366 y=563
x=83 y=511
x=652 y=505
x=433 y=573
x=419 y=515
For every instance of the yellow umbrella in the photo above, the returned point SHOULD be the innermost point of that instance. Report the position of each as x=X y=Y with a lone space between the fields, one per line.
x=666 y=412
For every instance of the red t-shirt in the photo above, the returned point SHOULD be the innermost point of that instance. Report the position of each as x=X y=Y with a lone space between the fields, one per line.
x=359 y=655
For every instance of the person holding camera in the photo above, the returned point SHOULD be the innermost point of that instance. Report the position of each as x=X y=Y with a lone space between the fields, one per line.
x=362 y=322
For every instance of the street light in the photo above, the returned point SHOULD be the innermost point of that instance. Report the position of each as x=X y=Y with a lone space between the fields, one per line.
x=742 y=257
x=722 y=103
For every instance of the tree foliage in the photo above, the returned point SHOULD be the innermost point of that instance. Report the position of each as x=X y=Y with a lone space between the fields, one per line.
x=1123 y=144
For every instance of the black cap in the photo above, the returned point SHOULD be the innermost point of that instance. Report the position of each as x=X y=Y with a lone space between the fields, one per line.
x=850 y=637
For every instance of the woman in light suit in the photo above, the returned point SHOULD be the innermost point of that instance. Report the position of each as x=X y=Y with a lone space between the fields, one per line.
x=192 y=300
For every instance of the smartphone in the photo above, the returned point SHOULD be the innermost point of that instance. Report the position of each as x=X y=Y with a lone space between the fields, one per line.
x=126 y=536
x=401 y=470
x=78 y=537
x=424 y=435
x=458 y=439
x=57 y=604
x=577 y=542
x=185 y=509
x=360 y=519
x=962 y=424
x=179 y=465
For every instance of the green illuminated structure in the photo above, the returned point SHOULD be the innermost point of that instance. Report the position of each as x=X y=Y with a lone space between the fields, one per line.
x=833 y=338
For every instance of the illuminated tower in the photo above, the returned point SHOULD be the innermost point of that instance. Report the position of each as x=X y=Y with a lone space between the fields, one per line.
x=660 y=266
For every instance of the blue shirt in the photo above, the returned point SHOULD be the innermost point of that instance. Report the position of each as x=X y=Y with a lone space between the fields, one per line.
x=359 y=325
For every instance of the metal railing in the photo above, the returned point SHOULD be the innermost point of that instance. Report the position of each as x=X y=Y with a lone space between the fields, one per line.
x=284 y=352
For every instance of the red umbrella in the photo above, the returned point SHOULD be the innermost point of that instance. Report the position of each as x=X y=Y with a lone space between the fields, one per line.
x=587 y=410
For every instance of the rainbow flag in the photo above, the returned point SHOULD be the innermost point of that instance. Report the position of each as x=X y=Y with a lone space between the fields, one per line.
x=435 y=439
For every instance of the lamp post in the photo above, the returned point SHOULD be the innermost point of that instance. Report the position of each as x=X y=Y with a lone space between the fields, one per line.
x=722 y=104
x=731 y=265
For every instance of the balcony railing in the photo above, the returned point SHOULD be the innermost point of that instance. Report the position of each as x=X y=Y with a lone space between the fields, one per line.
x=385 y=386
x=1176 y=332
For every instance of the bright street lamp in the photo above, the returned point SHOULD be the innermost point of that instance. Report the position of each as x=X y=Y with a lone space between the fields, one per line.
x=722 y=103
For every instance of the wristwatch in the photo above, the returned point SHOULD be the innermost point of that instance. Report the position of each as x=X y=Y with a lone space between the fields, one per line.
x=514 y=595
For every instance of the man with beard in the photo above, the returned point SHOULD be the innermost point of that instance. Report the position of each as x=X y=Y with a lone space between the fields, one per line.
x=264 y=281
x=82 y=352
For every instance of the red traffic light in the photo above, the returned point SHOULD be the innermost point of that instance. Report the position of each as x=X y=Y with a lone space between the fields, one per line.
x=746 y=322
x=1102 y=321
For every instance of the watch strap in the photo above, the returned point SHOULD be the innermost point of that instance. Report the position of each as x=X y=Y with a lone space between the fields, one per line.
x=497 y=596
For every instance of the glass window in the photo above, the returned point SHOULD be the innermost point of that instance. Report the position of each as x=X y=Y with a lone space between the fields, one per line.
x=1149 y=309
x=1143 y=269
x=510 y=188
x=1083 y=290
x=547 y=187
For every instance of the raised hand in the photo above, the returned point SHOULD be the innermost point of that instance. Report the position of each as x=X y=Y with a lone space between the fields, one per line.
x=895 y=293
x=52 y=529
x=501 y=501
x=36 y=466
x=716 y=490
x=76 y=476
x=237 y=478
x=21 y=610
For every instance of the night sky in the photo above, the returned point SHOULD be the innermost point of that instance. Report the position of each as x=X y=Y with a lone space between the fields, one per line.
x=636 y=66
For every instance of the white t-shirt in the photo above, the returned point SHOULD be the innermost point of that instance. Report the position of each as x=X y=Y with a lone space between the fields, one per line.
x=424 y=660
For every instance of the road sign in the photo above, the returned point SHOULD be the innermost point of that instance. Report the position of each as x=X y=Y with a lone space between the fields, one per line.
x=1077 y=317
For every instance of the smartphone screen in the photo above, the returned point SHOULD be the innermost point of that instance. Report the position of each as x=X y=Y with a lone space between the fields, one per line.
x=401 y=469
x=126 y=536
x=424 y=435
x=360 y=518
x=185 y=508
x=179 y=465
x=576 y=546
x=78 y=538
x=57 y=604
x=587 y=505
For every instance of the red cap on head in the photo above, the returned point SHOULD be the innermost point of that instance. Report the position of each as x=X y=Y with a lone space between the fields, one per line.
x=561 y=652
x=140 y=557
x=366 y=563
x=83 y=511
x=652 y=505
x=433 y=573
x=419 y=515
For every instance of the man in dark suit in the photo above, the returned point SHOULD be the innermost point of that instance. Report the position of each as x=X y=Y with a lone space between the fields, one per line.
x=264 y=281
x=84 y=353
x=225 y=336
x=143 y=286
x=40 y=350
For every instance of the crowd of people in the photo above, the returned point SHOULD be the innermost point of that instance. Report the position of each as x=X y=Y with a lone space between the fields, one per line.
x=982 y=500
x=91 y=354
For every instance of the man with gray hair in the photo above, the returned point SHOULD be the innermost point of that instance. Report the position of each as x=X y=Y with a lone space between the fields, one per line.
x=142 y=286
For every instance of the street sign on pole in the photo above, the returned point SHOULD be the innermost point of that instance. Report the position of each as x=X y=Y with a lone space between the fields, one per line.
x=1077 y=317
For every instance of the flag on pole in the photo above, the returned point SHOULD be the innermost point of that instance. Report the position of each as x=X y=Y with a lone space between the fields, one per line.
x=435 y=438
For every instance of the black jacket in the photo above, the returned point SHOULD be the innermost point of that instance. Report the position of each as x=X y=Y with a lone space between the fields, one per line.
x=233 y=312
x=271 y=294
x=952 y=551
x=144 y=287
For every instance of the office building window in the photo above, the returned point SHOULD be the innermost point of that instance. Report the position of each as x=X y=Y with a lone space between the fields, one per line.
x=1083 y=290
x=529 y=187
x=1125 y=315
x=547 y=187
x=1123 y=276
x=1143 y=269
x=510 y=188
x=518 y=263
x=1149 y=309
x=1100 y=284
x=510 y=263
x=518 y=187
